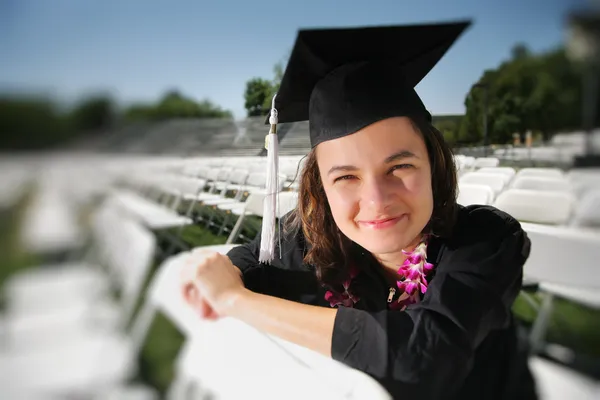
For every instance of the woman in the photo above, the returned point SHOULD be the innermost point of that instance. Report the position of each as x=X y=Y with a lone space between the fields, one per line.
x=380 y=268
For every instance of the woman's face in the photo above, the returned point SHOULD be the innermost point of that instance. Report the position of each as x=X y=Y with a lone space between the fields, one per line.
x=378 y=184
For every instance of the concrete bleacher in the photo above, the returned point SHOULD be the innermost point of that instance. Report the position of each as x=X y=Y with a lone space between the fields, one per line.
x=202 y=137
x=297 y=140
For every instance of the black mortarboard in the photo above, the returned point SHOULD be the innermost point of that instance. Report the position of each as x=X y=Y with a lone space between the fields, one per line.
x=344 y=79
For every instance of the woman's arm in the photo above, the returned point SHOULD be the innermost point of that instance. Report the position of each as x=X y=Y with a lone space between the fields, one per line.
x=305 y=325
x=220 y=284
x=245 y=257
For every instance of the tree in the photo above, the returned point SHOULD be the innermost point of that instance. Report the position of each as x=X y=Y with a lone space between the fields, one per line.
x=520 y=51
x=31 y=124
x=278 y=70
x=541 y=93
x=258 y=93
x=93 y=113
x=175 y=105
x=449 y=126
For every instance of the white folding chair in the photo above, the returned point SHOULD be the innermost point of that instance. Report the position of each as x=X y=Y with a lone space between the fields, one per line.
x=541 y=184
x=509 y=172
x=94 y=361
x=46 y=312
x=152 y=215
x=254 y=206
x=541 y=173
x=482 y=162
x=554 y=382
x=469 y=194
x=562 y=260
x=587 y=211
x=553 y=208
x=497 y=182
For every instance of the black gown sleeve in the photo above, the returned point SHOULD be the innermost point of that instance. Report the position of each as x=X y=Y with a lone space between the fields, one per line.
x=287 y=276
x=428 y=350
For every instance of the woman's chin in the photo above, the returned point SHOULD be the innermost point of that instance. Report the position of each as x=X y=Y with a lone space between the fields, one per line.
x=384 y=245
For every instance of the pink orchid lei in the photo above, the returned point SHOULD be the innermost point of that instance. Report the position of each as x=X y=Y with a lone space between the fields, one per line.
x=347 y=298
x=413 y=280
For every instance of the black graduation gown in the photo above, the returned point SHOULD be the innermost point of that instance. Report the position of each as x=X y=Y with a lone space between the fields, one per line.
x=460 y=341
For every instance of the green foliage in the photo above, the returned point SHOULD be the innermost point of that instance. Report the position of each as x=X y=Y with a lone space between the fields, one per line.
x=93 y=113
x=539 y=93
x=278 y=70
x=31 y=124
x=175 y=105
x=35 y=123
x=449 y=126
x=257 y=96
x=259 y=92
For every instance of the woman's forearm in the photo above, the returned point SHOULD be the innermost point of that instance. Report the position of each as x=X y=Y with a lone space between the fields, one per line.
x=307 y=326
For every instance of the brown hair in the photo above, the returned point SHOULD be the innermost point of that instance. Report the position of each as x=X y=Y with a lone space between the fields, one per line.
x=329 y=250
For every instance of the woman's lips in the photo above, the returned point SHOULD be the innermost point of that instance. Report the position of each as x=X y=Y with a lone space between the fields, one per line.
x=382 y=223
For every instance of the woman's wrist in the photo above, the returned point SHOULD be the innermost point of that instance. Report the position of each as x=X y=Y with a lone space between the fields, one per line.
x=230 y=302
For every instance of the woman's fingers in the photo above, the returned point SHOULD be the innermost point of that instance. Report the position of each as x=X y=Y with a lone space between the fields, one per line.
x=193 y=297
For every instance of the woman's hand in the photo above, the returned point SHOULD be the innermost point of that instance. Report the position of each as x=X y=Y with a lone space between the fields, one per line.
x=211 y=283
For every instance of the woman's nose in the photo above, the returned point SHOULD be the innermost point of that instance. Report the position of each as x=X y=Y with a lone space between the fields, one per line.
x=377 y=194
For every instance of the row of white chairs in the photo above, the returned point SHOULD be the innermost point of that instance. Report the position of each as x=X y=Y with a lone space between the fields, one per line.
x=539 y=195
x=65 y=335
x=191 y=370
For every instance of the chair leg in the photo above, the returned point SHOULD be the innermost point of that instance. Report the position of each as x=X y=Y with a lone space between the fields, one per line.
x=236 y=229
x=540 y=325
x=225 y=222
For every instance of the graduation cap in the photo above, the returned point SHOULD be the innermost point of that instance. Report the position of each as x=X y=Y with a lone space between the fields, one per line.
x=344 y=79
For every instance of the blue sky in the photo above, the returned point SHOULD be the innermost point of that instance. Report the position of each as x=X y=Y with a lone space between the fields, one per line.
x=138 y=49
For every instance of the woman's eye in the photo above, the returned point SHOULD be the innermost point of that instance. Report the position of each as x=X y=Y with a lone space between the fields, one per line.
x=401 y=166
x=344 y=178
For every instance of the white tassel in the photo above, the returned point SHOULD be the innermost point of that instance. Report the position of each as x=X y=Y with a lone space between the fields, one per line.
x=270 y=207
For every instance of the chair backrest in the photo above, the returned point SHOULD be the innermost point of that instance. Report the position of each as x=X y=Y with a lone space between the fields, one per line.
x=266 y=367
x=563 y=255
x=497 y=182
x=203 y=172
x=213 y=174
x=287 y=202
x=542 y=184
x=238 y=176
x=554 y=208
x=554 y=381
x=289 y=169
x=190 y=186
x=587 y=211
x=256 y=179
x=482 y=162
x=541 y=172
x=583 y=180
x=165 y=294
x=127 y=249
x=508 y=171
x=469 y=194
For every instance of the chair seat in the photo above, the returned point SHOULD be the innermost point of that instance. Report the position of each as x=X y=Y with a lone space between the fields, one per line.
x=231 y=206
x=79 y=367
x=221 y=201
x=584 y=295
x=555 y=382
x=54 y=286
x=43 y=329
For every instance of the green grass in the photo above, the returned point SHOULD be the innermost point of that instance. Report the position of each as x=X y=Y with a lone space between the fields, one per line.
x=571 y=325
